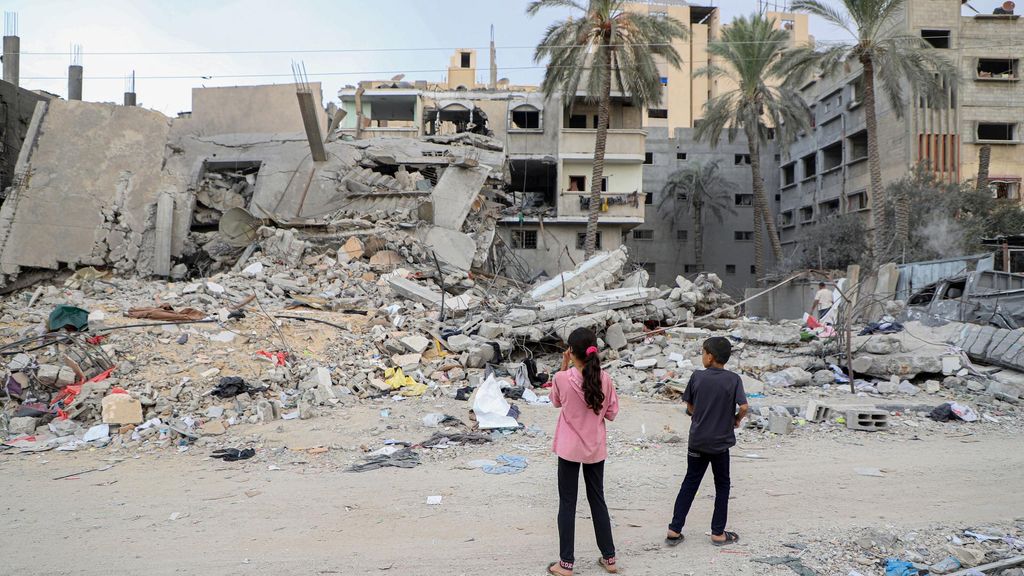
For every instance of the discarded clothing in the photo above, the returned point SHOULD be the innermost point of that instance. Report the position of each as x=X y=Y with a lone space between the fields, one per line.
x=792 y=562
x=166 y=312
x=231 y=386
x=464 y=393
x=404 y=458
x=507 y=464
x=949 y=410
x=233 y=454
x=64 y=316
x=894 y=567
x=443 y=438
x=881 y=328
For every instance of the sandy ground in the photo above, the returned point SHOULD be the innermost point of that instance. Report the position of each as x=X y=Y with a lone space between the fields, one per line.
x=309 y=517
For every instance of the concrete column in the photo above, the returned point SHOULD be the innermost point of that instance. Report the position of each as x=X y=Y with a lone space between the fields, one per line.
x=129 y=98
x=12 y=55
x=74 y=82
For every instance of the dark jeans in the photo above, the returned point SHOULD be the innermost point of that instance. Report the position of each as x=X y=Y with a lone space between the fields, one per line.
x=568 y=486
x=696 y=466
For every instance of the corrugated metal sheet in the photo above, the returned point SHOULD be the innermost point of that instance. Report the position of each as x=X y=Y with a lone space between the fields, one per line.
x=917 y=275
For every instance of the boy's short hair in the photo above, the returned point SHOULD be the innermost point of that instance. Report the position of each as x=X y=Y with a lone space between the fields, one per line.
x=720 y=348
x=821 y=284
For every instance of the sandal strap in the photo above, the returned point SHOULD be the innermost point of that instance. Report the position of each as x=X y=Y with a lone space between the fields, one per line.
x=564 y=564
x=609 y=561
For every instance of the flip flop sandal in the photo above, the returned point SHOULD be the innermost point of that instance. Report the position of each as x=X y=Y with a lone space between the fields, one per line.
x=609 y=566
x=674 y=541
x=552 y=565
x=730 y=538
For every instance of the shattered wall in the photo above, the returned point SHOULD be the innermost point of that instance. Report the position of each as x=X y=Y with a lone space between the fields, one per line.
x=95 y=173
x=252 y=109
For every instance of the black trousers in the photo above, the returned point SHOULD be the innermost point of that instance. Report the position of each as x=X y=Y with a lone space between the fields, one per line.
x=568 y=487
x=696 y=465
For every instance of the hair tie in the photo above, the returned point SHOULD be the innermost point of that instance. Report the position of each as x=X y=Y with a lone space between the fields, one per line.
x=591 y=350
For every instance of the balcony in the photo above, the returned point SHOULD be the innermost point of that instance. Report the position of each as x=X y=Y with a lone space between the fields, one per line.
x=531 y=143
x=375 y=132
x=622 y=208
x=623 y=145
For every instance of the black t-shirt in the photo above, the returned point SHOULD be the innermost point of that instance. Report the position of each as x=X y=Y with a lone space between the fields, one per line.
x=714 y=393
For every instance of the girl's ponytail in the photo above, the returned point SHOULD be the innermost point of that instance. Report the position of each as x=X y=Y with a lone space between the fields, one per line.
x=583 y=343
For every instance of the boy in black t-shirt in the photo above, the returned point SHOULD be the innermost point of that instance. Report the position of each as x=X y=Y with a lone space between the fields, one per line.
x=712 y=397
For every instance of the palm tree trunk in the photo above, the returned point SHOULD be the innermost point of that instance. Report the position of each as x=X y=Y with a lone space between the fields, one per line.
x=599 y=146
x=754 y=147
x=984 y=160
x=877 y=193
x=698 y=234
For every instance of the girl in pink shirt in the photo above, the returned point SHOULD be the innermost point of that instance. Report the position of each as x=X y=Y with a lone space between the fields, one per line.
x=586 y=395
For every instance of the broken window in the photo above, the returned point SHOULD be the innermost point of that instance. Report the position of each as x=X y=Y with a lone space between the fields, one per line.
x=577 y=121
x=730 y=268
x=643 y=234
x=857 y=201
x=806 y=214
x=955 y=290
x=649 y=198
x=689 y=268
x=786 y=219
x=832 y=157
x=744 y=199
x=741 y=159
x=937 y=38
x=743 y=235
x=680 y=155
x=535 y=180
x=1004 y=189
x=648 y=157
x=858 y=146
x=526 y=118
x=997 y=131
x=829 y=208
x=997 y=68
x=809 y=164
x=466 y=59
x=682 y=235
x=581 y=241
x=657 y=113
x=648 y=267
x=524 y=239
x=577 y=183
x=789 y=174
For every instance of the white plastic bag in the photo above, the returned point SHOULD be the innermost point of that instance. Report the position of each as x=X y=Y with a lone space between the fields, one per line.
x=490 y=406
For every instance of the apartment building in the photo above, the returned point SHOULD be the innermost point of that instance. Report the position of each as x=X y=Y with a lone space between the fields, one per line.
x=663 y=244
x=825 y=172
x=549 y=145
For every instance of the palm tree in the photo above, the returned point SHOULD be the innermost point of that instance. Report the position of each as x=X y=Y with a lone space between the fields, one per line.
x=700 y=190
x=897 y=60
x=605 y=41
x=751 y=51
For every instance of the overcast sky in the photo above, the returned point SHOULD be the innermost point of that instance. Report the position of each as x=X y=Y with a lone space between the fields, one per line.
x=370 y=39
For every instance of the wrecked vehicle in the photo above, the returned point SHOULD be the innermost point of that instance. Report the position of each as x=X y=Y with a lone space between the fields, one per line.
x=985 y=297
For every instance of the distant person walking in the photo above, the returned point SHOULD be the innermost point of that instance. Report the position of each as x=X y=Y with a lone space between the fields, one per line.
x=822 y=301
x=716 y=403
x=586 y=396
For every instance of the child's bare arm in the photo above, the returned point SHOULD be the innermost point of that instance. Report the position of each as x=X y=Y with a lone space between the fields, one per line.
x=741 y=414
x=689 y=408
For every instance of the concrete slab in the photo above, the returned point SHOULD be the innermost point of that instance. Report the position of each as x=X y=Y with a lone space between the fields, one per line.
x=455 y=193
x=451 y=246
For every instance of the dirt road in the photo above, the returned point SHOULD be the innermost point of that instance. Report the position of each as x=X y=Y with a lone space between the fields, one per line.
x=181 y=514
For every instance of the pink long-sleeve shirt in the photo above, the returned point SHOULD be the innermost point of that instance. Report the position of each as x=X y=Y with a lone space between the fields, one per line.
x=580 y=434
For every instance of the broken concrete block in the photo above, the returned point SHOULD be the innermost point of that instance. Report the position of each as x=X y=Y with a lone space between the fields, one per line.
x=386 y=259
x=416 y=343
x=591 y=275
x=645 y=363
x=121 y=409
x=22 y=425
x=822 y=377
x=782 y=334
x=479 y=356
x=407 y=362
x=352 y=249
x=459 y=343
x=491 y=330
x=319 y=377
x=907 y=388
x=882 y=345
x=594 y=302
x=517 y=317
x=450 y=246
x=615 y=337
x=414 y=291
x=47 y=374
x=214 y=428
x=684 y=284
x=888 y=387
x=779 y=423
x=65 y=377
x=455 y=193
x=932 y=386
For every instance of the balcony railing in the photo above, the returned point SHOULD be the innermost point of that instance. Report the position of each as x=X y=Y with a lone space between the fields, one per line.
x=630 y=205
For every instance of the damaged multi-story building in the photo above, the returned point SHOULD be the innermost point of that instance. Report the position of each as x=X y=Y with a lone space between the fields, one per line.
x=825 y=172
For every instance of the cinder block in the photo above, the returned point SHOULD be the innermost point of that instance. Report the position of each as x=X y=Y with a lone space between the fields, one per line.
x=818 y=413
x=867 y=420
